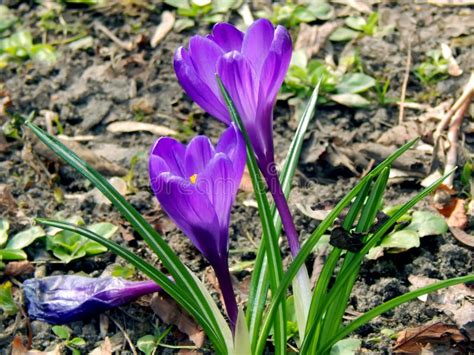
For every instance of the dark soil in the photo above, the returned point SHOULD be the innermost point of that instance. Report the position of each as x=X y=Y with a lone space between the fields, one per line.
x=91 y=88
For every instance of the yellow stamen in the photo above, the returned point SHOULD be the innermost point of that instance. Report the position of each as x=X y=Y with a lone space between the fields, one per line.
x=193 y=178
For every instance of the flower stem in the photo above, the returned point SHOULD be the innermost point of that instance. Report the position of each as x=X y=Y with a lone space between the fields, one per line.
x=301 y=284
x=273 y=182
x=225 y=283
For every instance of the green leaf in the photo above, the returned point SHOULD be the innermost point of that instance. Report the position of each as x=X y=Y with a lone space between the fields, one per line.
x=343 y=34
x=395 y=302
x=242 y=337
x=77 y=342
x=321 y=9
x=12 y=254
x=270 y=237
x=147 y=344
x=356 y=22
x=404 y=239
x=7 y=304
x=350 y=100
x=25 y=238
x=347 y=346
x=123 y=271
x=61 y=331
x=7 y=19
x=4 y=227
x=185 y=289
x=427 y=223
x=183 y=23
x=43 y=53
x=316 y=235
x=179 y=4
x=355 y=83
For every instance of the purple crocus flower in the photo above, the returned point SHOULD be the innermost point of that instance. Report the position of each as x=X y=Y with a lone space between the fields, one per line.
x=252 y=67
x=67 y=298
x=196 y=186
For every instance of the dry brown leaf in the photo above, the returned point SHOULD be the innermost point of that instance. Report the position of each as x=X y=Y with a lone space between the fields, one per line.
x=170 y=313
x=103 y=349
x=455 y=301
x=101 y=164
x=462 y=237
x=7 y=201
x=246 y=182
x=166 y=25
x=413 y=340
x=312 y=38
x=458 y=217
x=400 y=134
x=16 y=268
x=19 y=349
x=133 y=126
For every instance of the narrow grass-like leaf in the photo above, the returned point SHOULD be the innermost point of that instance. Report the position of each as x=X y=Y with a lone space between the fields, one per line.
x=242 y=337
x=336 y=305
x=171 y=288
x=395 y=302
x=259 y=282
x=169 y=259
x=269 y=234
x=307 y=247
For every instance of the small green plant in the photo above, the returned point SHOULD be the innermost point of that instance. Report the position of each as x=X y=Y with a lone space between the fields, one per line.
x=12 y=248
x=356 y=26
x=20 y=47
x=68 y=246
x=381 y=89
x=336 y=86
x=64 y=333
x=148 y=344
x=7 y=19
x=408 y=231
x=7 y=304
x=433 y=69
x=207 y=11
x=123 y=271
x=291 y=14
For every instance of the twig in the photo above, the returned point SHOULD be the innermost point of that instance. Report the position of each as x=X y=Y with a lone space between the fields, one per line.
x=453 y=139
x=405 y=84
x=125 y=45
x=125 y=334
x=468 y=89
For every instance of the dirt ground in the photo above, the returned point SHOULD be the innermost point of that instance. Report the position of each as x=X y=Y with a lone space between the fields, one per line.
x=91 y=88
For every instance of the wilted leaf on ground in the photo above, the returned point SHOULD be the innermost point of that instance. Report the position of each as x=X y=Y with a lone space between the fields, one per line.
x=7 y=304
x=166 y=25
x=440 y=335
x=463 y=237
x=25 y=238
x=455 y=301
x=104 y=349
x=170 y=313
x=16 y=268
x=133 y=126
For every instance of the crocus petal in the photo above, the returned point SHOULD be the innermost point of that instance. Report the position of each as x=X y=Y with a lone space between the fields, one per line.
x=67 y=298
x=220 y=182
x=227 y=36
x=257 y=42
x=172 y=153
x=198 y=90
x=232 y=144
x=191 y=211
x=198 y=153
x=240 y=81
x=276 y=64
x=204 y=55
